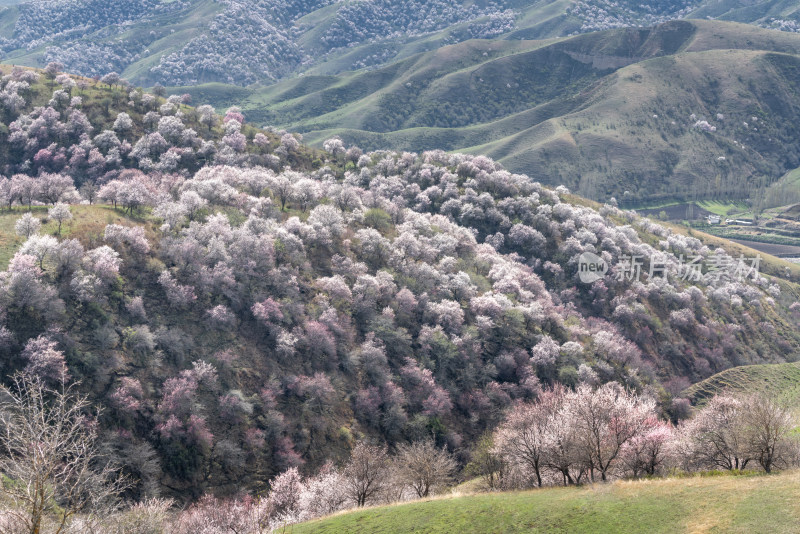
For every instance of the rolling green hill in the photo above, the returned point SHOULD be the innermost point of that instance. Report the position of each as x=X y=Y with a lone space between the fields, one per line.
x=781 y=380
x=784 y=191
x=766 y=13
x=605 y=113
x=746 y=504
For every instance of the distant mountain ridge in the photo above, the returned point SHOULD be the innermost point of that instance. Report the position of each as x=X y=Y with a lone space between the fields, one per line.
x=692 y=109
x=186 y=42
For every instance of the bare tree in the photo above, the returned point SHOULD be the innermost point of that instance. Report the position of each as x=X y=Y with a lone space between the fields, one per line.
x=767 y=425
x=424 y=467
x=365 y=473
x=89 y=191
x=50 y=457
x=488 y=463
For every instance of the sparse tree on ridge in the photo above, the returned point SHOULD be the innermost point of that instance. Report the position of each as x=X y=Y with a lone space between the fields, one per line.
x=60 y=213
x=27 y=225
x=207 y=116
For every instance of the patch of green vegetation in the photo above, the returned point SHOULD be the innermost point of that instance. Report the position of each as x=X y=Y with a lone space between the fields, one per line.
x=697 y=504
x=762 y=237
x=654 y=204
x=725 y=209
x=784 y=191
x=87 y=225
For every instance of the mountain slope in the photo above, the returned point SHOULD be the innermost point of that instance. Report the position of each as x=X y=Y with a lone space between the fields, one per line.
x=781 y=381
x=240 y=304
x=246 y=41
x=605 y=113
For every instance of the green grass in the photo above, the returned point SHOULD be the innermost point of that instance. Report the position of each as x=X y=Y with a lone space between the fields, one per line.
x=784 y=191
x=756 y=235
x=781 y=380
x=745 y=504
x=726 y=209
x=736 y=209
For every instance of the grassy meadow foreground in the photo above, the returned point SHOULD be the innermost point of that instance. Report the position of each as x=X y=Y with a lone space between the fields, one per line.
x=696 y=504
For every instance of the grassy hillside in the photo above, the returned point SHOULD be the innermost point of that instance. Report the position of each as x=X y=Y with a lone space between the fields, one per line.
x=87 y=225
x=762 y=12
x=784 y=191
x=604 y=113
x=746 y=504
x=781 y=380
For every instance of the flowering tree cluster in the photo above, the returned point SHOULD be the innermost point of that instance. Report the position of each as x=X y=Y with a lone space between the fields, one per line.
x=570 y=436
x=369 y=476
x=605 y=14
x=378 y=19
x=245 y=318
x=56 y=148
x=574 y=435
x=242 y=45
x=65 y=26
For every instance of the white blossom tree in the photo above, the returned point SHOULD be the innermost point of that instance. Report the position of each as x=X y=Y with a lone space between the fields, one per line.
x=60 y=213
x=27 y=225
x=605 y=420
